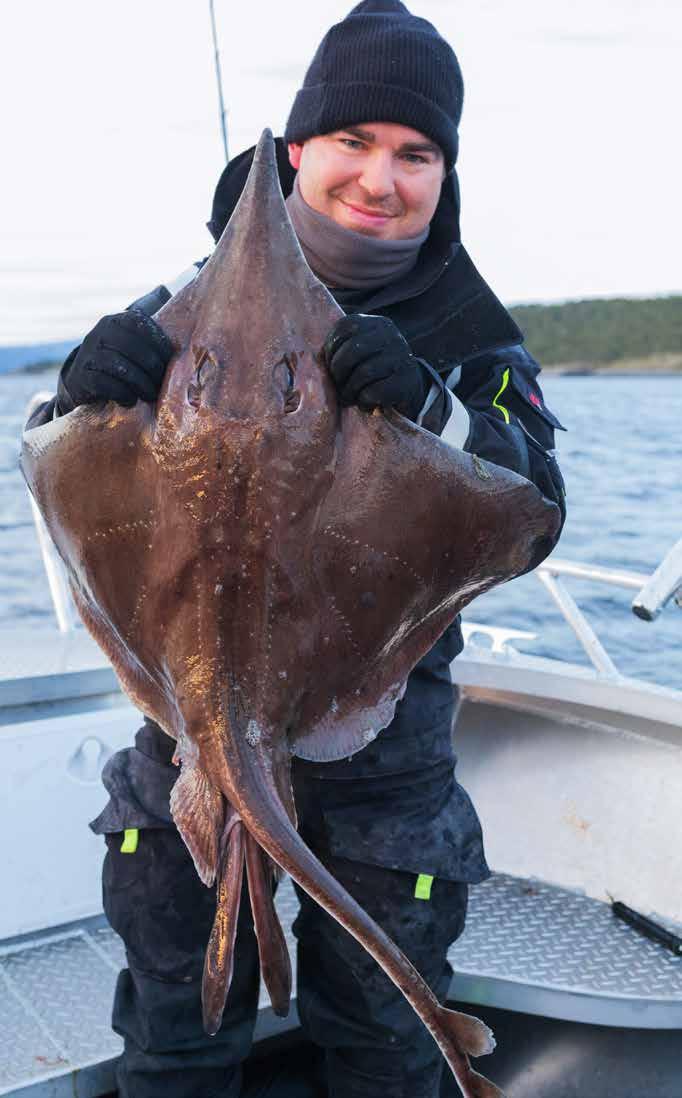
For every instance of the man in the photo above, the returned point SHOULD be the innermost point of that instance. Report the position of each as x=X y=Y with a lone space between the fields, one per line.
x=367 y=168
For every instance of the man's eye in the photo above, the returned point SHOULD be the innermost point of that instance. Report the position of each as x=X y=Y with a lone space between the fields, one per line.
x=414 y=158
x=351 y=143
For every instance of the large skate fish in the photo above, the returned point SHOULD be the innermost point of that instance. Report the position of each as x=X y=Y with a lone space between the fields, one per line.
x=264 y=568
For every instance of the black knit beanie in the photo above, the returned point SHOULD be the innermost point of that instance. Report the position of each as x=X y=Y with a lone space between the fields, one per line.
x=381 y=64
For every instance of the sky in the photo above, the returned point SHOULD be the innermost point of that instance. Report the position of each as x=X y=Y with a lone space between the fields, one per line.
x=570 y=160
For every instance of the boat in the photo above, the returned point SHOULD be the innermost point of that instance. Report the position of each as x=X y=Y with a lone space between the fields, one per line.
x=576 y=771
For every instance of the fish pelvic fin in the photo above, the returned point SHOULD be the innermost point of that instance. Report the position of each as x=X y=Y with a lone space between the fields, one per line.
x=275 y=963
x=198 y=810
x=219 y=959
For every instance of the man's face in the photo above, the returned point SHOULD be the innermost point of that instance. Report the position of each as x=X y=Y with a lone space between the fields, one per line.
x=379 y=178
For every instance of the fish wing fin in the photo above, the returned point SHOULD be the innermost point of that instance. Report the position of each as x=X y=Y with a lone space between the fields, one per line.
x=104 y=537
x=456 y=526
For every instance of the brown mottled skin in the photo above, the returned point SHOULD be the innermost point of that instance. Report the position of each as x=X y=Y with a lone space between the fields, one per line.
x=264 y=568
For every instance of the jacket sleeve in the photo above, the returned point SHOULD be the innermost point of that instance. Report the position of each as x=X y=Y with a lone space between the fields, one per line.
x=508 y=420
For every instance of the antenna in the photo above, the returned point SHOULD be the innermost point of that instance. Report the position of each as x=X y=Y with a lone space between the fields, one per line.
x=219 y=78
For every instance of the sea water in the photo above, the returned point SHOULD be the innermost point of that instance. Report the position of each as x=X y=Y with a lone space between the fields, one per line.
x=622 y=464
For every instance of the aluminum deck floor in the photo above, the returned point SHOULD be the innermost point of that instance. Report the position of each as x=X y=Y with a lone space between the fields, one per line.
x=528 y=947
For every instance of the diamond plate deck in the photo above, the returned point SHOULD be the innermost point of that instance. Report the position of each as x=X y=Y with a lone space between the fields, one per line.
x=544 y=950
x=528 y=946
x=62 y=987
x=27 y=1048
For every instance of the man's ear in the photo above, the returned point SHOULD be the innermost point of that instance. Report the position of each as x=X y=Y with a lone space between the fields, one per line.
x=295 y=155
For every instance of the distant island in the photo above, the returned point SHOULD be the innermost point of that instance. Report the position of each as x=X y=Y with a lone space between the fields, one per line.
x=598 y=335
x=34 y=357
x=605 y=335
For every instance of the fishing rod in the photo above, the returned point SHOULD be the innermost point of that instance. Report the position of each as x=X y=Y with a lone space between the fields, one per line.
x=223 y=125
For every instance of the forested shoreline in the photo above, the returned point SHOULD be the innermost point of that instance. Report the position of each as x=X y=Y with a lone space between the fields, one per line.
x=623 y=335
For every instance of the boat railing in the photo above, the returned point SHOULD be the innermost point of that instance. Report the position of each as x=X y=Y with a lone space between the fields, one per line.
x=62 y=602
x=653 y=592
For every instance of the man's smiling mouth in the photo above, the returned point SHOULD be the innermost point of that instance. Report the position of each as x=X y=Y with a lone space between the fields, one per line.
x=362 y=211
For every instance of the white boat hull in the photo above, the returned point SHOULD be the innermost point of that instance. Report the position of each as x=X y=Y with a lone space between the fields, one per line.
x=569 y=791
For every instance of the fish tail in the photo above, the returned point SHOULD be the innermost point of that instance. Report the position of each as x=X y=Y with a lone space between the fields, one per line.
x=483 y=1088
x=259 y=806
x=219 y=959
x=477 y=1086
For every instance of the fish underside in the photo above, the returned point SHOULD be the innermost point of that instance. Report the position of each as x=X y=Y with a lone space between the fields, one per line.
x=264 y=568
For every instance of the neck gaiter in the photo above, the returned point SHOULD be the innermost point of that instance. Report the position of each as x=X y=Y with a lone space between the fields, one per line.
x=343 y=258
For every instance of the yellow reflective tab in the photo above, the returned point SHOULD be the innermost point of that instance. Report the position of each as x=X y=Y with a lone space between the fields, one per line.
x=503 y=386
x=131 y=838
x=423 y=887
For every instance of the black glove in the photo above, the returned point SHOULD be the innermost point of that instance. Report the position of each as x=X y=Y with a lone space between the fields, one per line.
x=123 y=359
x=372 y=364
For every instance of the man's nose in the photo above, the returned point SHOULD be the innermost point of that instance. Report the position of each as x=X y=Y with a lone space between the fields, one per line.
x=377 y=175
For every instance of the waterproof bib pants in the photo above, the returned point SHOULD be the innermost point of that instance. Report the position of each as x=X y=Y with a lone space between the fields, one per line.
x=378 y=821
